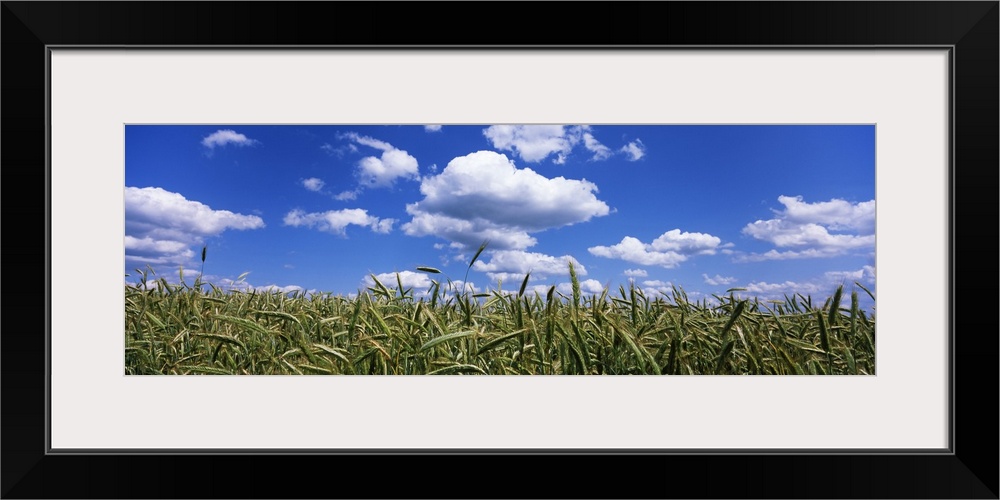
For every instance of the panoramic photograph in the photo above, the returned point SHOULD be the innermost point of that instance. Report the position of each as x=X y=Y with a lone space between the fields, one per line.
x=486 y=249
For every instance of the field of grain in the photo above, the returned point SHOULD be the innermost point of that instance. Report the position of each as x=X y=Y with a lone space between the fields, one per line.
x=388 y=330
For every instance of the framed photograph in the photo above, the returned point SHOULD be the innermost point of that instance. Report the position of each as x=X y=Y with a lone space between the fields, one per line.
x=658 y=255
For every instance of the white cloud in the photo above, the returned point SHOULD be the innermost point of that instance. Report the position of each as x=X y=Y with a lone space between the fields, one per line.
x=336 y=221
x=587 y=287
x=230 y=285
x=865 y=274
x=806 y=227
x=655 y=283
x=541 y=290
x=347 y=195
x=632 y=250
x=161 y=227
x=784 y=233
x=278 y=289
x=635 y=150
x=483 y=195
x=686 y=243
x=512 y=265
x=651 y=288
x=313 y=184
x=421 y=283
x=468 y=233
x=601 y=152
x=225 y=137
x=383 y=171
x=533 y=143
x=835 y=214
x=150 y=251
x=718 y=280
x=636 y=273
x=668 y=250
x=432 y=128
x=819 y=288
x=778 y=289
x=811 y=253
x=418 y=281
x=459 y=286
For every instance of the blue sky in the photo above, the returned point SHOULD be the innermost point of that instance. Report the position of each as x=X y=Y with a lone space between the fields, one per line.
x=772 y=209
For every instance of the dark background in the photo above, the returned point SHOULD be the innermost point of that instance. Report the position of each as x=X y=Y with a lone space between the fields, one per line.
x=970 y=472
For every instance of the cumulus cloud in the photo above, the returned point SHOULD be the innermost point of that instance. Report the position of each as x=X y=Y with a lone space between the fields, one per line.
x=161 y=227
x=718 y=280
x=668 y=250
x=226 y=137
x=533 y=143
x=432 y=128
x=151 y=251
x=636 y=273
x=483 y=195
x=313 y=184
x=384 y=170
x=635 y=150
x=835 y=214
x=784 y=233
x=512 y=265
x=336 y=221
x=805 y=229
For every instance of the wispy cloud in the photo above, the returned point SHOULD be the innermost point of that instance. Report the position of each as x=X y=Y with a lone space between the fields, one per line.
x=432 y=128
x=601 y=152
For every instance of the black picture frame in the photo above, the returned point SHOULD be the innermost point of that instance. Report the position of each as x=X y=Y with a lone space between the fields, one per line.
x=969 y=470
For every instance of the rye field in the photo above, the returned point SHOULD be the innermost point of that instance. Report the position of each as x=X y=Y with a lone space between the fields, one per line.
x=386 y=329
